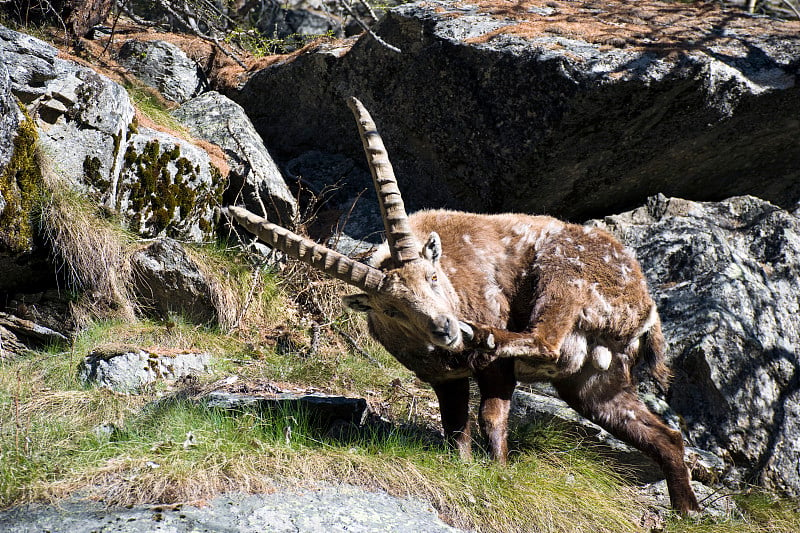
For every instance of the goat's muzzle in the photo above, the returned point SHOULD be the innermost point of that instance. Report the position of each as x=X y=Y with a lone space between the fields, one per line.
x=446 y=332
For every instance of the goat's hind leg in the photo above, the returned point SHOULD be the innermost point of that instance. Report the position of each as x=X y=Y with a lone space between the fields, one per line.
x=622 y=413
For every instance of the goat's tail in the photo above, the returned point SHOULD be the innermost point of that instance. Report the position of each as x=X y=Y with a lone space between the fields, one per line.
x=653 y=353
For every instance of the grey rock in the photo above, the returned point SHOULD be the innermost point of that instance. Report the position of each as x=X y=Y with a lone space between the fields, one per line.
x=82 y=117
x=546 y=124
x=9 y=123
x=164 y=66
x=716 y=504
x=29 y=62
x=324 y=509
x=311 y=23
x=30 y=330
x=85 y=125
x=167 y=281
x=254 y=178
x=83 y=120
x=131 y=369
x=726 y=280
x=11 y=345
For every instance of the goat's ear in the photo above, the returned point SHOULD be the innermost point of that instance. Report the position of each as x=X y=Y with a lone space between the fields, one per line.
x=432 y=250
x=357 y=302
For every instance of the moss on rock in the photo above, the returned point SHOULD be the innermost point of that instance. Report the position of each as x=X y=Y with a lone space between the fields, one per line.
x=21 y=186
x=160 y=196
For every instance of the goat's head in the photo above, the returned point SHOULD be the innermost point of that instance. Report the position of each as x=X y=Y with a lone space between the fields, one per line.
x=416 y=299
x=409 y=292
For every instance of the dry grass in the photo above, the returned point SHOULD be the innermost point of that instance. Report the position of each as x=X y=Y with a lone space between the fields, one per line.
x=91 y=252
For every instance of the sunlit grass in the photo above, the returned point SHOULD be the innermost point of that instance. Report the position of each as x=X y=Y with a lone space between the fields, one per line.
x=58 y=437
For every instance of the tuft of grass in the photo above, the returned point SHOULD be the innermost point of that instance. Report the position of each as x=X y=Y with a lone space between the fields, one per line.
x=90 y=251
x=152 y=105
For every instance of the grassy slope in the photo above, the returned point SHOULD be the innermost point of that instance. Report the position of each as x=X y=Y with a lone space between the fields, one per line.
x=51 y=446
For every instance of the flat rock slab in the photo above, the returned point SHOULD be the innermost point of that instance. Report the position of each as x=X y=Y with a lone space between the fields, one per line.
x=326 y=407
x=129 y=369
x=326 y=510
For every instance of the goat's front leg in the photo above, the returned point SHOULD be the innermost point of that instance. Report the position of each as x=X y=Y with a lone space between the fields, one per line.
x=486 y=344
x=453 y=399
x=552 y=320
x=496 y=383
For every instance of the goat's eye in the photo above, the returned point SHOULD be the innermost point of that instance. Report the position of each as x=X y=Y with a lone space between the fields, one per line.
x=391 y=312
x=434 y=278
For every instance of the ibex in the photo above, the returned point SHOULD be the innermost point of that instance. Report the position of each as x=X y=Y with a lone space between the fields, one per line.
x=503 y=298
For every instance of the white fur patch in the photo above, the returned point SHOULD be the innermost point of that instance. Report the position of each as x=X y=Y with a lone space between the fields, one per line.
x=601 y=357
x=492 y=296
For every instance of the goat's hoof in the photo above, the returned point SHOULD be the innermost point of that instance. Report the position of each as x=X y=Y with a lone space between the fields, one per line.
x=477 y=337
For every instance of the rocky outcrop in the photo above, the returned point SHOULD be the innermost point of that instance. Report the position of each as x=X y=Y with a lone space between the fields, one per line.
x=129 y=369
x=18 y=334
x=168 y=282
x=254 y=179
x=161 y=184
x=571 y=109
x=167 y=187
x=164 y=67
x=727 y=282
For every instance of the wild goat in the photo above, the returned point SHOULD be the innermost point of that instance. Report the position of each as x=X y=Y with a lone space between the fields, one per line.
x=503 y=298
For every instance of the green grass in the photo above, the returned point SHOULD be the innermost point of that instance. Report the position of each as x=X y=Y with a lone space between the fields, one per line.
x=156 y=109
x=50 y=444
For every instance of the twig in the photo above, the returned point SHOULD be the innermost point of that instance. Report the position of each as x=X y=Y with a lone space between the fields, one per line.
x=367 y=29
x=113 y=30
x=792 y=7
x=354 y=345
x=249 y=300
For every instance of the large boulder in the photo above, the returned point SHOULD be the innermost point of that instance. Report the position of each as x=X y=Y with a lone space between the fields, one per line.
x=726 y=277
x=161 y=184
x=165 y=67
x=167 y=281
x=573 y=109
x=168 y=186
x=254 y=179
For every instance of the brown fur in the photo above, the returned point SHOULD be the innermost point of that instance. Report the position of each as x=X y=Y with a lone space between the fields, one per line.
x=545 y=300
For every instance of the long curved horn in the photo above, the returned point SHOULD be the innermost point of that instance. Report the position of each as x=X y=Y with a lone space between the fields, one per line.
x=402 y=244
x=333 y=263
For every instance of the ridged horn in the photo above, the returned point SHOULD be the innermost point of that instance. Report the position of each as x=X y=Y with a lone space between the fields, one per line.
x=402 y=244
x=333 y=263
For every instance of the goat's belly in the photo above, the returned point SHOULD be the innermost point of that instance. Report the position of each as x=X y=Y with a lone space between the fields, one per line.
x=529 y=371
